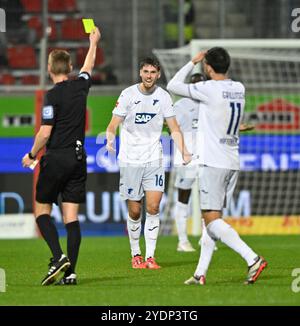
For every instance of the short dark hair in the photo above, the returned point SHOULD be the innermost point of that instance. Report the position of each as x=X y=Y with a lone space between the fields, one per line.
x=150 y=61
x=219 y=59
x=195 y=78
x=60 y=62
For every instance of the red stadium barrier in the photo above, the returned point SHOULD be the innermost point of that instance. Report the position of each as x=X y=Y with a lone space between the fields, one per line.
x=39 y=100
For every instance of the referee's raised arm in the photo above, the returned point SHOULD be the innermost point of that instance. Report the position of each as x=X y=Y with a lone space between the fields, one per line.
x=91 y=55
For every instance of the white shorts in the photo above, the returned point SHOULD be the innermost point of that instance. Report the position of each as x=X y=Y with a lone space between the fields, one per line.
x=186 y=176
x=136 y=179
x=216 y=187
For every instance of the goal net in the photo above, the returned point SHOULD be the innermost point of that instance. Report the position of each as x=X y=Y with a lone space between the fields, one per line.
x=266 y=200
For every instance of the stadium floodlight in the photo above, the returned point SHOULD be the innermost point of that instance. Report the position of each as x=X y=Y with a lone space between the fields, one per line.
x=268 y=186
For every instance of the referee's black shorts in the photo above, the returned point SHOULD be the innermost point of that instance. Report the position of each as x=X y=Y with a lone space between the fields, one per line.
x=61 y=173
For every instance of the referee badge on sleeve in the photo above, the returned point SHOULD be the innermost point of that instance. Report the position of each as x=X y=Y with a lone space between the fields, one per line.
x=83 y=75
x=48 y=112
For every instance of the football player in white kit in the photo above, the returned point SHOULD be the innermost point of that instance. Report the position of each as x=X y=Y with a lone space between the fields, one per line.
x=186 y=110
x=221 y=108
x=141 y=109
x=187 y=113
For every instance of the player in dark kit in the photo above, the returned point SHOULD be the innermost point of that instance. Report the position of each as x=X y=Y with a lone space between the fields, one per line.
x=63 y=167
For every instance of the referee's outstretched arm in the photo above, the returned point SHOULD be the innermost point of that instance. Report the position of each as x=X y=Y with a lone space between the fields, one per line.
x=91 y=55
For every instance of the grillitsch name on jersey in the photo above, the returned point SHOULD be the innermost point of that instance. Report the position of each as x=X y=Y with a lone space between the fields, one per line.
x=142 y=118
x=233 y=141
x=233 y=95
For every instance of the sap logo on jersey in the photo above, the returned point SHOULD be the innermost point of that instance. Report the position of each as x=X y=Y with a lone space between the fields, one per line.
x=144 y=117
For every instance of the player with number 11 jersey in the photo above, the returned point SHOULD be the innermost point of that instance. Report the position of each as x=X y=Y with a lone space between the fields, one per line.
x=220 y=113
x=221 y=110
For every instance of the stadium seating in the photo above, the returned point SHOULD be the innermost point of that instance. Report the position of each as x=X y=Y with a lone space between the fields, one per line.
x=66 y=32
x=71 y=29
x=7 y=79
x=62 y=6
x=32 y=5
x=53 y=5
x=30 y=80
x=36 y=24
x=22 y=56
x=81 y=53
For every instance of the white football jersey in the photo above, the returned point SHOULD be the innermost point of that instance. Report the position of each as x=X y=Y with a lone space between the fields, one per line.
x=220 y=114
x=143 y=121
x=187 y=111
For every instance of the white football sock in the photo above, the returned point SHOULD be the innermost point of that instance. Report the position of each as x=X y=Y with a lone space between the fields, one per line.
x=207 y=250
x=134 y=232
x=181 y=214
x=151 y=230
x=203 y=226
x=219 y=230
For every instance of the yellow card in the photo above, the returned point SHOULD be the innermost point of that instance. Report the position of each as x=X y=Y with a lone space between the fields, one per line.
x=88 y=24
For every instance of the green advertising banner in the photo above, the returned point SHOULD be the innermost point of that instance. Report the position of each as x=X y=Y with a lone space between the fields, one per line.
x=271 y=114
x=17 y=115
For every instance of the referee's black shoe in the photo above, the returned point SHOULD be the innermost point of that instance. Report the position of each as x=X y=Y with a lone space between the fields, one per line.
x=55 y=267
x=67 y=280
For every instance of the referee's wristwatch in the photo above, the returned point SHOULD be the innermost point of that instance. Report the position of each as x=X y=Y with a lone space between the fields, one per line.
x=31 y=156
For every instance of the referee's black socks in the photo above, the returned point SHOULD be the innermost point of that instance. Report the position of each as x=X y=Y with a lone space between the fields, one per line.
x=50 y=234
x=73 y=244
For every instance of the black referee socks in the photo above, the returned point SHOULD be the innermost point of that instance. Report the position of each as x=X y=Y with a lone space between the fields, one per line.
x=50 y=234
x=73 y=244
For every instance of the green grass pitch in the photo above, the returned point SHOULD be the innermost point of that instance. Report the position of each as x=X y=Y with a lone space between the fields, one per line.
x=105 y=276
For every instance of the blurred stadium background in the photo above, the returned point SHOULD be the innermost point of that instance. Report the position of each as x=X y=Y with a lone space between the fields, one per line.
x=267 y=197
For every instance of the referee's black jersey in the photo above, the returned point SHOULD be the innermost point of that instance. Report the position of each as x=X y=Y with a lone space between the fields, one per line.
x=65 y=109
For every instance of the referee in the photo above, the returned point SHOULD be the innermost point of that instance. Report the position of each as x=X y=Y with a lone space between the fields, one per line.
x=63 y=167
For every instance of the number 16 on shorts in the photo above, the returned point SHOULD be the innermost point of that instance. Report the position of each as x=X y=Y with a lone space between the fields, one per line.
x=159 y=180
